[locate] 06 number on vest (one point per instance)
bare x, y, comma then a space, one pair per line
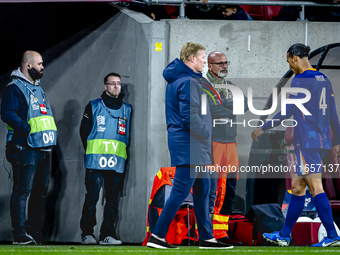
103, 162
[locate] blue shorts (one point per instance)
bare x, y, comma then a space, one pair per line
309, 161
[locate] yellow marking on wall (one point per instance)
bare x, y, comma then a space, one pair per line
158, 47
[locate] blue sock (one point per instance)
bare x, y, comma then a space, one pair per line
294, 211
325, 213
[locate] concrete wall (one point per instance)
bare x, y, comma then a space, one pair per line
127, 44
111, 48
123, 45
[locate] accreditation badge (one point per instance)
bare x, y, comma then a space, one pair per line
121, 126
43, 109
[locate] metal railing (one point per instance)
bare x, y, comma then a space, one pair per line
302, 4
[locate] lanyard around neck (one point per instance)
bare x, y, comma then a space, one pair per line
109, 112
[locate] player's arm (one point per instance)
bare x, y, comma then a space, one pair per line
278, 118
275, 121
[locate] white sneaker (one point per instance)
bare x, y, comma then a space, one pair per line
89, 239
24, 240
109, 240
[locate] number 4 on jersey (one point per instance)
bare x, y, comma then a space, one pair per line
322, 102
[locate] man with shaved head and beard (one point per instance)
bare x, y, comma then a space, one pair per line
31, 135
223, 185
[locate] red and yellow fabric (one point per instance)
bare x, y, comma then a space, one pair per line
162, 178
178, 229
220, 225
224, 154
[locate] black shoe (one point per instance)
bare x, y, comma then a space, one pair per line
159, 244
24, 240
39, 239
211, 245
227, 240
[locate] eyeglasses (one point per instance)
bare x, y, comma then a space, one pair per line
227, 63
113, 83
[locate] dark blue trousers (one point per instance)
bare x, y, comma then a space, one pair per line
184, 181
31, 170
112, 183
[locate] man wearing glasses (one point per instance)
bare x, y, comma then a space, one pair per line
104, 132
224, 148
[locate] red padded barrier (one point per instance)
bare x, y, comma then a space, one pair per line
256, 12
271, 12
259, 12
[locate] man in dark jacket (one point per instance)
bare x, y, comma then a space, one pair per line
31, 135
223, 184
189, 140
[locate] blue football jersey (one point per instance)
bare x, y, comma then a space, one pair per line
313, 131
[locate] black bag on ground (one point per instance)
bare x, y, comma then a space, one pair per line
267, 218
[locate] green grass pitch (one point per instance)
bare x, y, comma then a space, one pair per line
129, 250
